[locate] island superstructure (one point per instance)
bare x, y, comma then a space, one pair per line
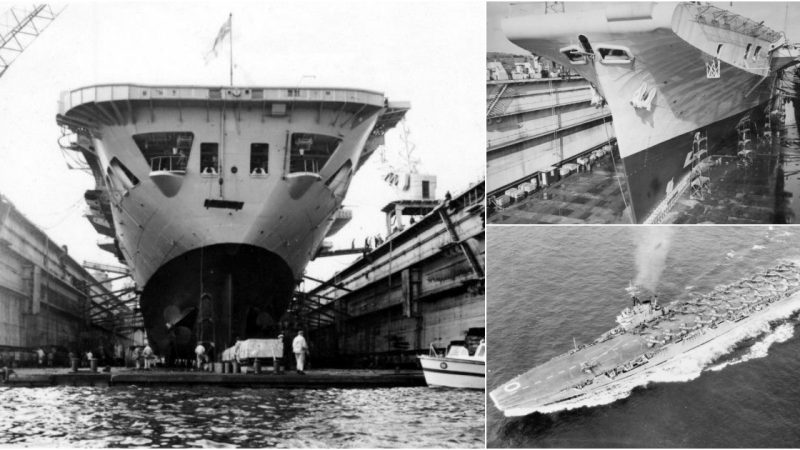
218, 197
648, 337
675, 76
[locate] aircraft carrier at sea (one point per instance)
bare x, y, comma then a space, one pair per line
651, 336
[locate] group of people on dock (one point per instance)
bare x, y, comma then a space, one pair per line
299, 348
143, 357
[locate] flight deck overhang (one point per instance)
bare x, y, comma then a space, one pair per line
108, 104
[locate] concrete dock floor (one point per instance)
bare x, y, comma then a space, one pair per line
320, 378
594, 196
737, 194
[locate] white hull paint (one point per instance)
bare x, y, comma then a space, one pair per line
178, 218
455, 373
670, 49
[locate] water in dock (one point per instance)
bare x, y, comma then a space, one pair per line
209, 416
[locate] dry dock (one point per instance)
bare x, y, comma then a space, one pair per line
50, 301
538, 117
423, 286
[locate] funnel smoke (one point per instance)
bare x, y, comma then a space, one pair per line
652, 247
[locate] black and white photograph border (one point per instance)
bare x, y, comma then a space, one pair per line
242, 224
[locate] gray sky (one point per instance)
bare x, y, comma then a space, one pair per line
772, 13
425, 52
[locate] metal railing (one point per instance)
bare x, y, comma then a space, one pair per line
172, 163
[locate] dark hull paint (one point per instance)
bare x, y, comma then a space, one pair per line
215, 294
649, 171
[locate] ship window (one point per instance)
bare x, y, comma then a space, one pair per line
573, 53
719, 49
209, 158
339, 182
310, 152
747, 51
165, 150
615, 55
123, 174
259, 159
426, 189
756, 53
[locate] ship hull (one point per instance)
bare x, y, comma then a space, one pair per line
454, 373
654, 173
612, 366
668, 50
217, 198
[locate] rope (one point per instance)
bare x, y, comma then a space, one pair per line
608, 140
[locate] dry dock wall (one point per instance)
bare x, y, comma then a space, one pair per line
422, 286
536, 123
47, 299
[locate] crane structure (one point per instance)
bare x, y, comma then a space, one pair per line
19, 27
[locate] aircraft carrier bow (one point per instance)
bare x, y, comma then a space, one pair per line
218, 197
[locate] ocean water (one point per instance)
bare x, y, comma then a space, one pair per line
549, 284
221, 417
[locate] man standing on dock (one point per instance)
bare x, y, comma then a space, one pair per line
200, 351
277, 354
147, 353
300, 348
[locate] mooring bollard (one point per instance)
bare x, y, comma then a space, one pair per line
236, 368
93, 364
73, 364
257, 366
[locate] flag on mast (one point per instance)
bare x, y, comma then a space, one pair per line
224, 31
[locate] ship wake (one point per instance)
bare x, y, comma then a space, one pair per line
693, 363
760, 349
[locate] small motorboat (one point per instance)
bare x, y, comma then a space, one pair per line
457, 368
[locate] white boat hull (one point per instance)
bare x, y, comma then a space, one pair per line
454, 373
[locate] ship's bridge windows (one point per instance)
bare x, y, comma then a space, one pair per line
614, 54
209, 158
747, 51
165, 151
309, 152
259, 159
574, 54
719, 49
426, 189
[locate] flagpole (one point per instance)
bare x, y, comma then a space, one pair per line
230, 20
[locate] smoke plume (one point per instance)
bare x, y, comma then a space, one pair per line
652, 247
